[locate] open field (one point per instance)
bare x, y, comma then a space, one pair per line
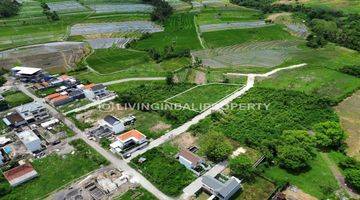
348, 6
320, 81
66, 6
203, 96
179, 32
257, 54
258, 189
105, 43
116, 17
163, 170
16, 98
349, 113
136, 194
52, 175
147, 70
237, 36
226, 14
311, 181
111, 60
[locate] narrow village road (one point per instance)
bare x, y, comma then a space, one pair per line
117, 162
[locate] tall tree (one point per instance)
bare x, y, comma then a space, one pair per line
9, 8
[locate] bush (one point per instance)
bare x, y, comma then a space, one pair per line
162, 10
9, 8
241, 167
351, 70
352, 177
314, 41
215, 146
329, 135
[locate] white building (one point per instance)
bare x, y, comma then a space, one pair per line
128, 139
20, 174
27, 74
114, 123
190, 160
33, 111
95, 92
30, 140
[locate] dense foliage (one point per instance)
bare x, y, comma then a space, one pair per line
9, 8
242, 167
295, 150
51, 15
162, 10
215, 146
351, 70
329, 135
331, 25
351, 169
164, 171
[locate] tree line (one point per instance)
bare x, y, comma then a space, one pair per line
162, 10
9, 8
326, 24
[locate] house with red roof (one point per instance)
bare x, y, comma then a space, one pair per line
20, 174
127, 140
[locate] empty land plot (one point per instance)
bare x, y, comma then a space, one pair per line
105, 43
349, 112
123, 8
237, 36
125, 27
226, 14
180, 32
258, 54
202, 97
114, 59
320, 81
348, 6
66, 6
233, 25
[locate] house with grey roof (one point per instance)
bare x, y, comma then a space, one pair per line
222, 190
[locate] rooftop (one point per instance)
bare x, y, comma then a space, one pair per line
133, 134
194, 159
27, 136
224, 189
51, 96
60, 98
19, 172
14, 118
111, 119
30, 107
26, 70
98, 87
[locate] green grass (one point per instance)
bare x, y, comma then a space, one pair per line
311, 181
16, 98
56, 171
45, 92
258, 189
203, 96
320, 81
226, 14
164, 171
347, 6
115, 59
230, 37
127, 86
179, 31
138, 193
75, 104
146, 70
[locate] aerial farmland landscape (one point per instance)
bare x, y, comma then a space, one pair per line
179, 99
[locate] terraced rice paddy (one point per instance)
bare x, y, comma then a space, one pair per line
105, 43
66, 6
124, 27
210, 15
258, 54
232, 25
123, 8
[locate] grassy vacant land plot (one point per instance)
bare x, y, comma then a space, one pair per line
231, 37
151, 69
311, 182
52, 173
226, 14
348, 6
75, 104
349, 113
115, 59
163, 170
256, 54
319, 81
137, 194
16, 98
258, 189
179, 31
202, 97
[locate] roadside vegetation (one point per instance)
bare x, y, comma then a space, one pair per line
14, 99
52, 173
164, 170
138, 193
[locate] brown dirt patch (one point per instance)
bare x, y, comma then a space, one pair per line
185, 140
161, 126
200, 77
293, 193
349, 113
275, 16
